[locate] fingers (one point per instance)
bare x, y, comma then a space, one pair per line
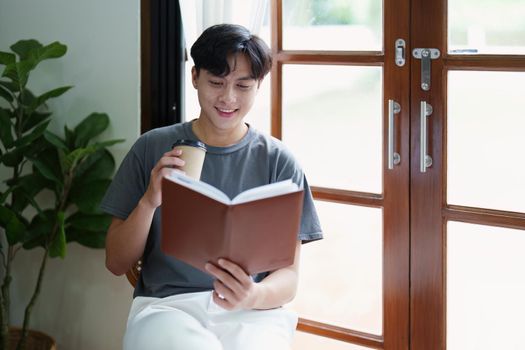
169, 160
222, 275
236, 271
230, 273
233, 288
222, 302
168, 163
224, 287
226, 293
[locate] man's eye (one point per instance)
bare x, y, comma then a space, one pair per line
244, 87
215, 83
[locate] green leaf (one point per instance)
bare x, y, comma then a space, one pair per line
58, 245
9, 86
99, 165
31, 53
39, 230
79, 154
27, 98
23, 48
53, 50
89, 222
6, 129
14, 228
18, 72
38, 146
62, 160
87, 197
33, 242
89, 239
7, 58
48, 165
34, 119
6, 194
33, 184
6, 94
70, 137
47, 95
21, 200
26, 189
36, 133
73, 157
93, 125
14, 157
100, 145
55, 140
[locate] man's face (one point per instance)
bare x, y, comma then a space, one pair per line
225, 101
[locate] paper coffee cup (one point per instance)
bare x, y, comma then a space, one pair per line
193, 153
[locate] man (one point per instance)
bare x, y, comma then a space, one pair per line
176, 306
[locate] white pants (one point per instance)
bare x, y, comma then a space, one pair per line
194, 322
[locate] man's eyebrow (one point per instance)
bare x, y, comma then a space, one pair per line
246, 78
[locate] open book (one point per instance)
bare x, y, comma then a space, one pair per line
257, 229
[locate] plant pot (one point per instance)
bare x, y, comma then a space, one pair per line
35, 340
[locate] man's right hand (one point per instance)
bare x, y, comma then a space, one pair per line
169, 162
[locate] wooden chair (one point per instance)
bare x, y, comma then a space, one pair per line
133, 274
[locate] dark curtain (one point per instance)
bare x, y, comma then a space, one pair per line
163, 58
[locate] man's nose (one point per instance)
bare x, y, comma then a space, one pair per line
228, 94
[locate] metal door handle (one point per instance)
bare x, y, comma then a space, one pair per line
425, 159
393, 157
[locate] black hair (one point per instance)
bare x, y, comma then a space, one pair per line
217, 43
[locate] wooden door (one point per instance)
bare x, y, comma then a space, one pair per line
468, 206
331, 87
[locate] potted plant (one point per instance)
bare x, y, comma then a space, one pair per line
74, 168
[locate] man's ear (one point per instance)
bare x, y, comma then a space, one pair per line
194, 76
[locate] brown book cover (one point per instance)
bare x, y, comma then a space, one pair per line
200, 224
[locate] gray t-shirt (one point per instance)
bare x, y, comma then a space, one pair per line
256, 160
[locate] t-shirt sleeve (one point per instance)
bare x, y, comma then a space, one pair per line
128, 185
310, 225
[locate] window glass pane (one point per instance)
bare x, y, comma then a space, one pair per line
332, 122
254, 15
341, 276
486, 26
333, 25
307, 341
259, 116
485, 127
485, 287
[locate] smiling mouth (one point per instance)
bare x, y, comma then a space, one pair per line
225, 112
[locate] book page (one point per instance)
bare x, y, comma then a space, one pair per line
266, 191
199, 186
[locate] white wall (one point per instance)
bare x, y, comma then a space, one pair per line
81, 305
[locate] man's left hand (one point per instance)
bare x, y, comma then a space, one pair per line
234, 289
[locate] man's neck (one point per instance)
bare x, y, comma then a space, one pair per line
211, 136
